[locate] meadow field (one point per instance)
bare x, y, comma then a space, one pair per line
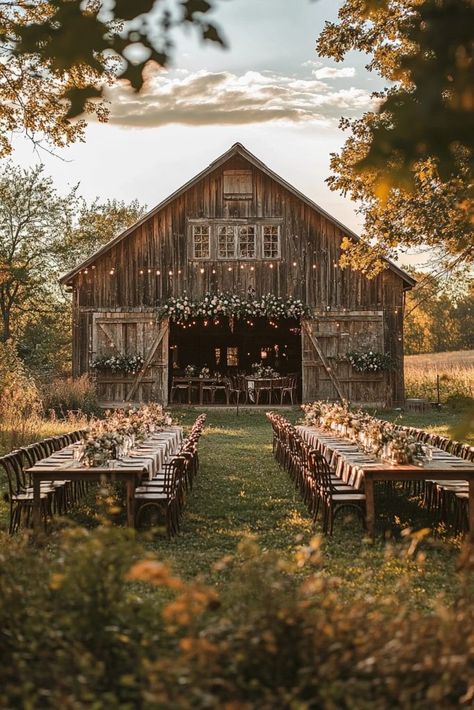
456, 372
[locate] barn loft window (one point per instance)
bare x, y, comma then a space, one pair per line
247, 242
238, 185
226, 242
271, 241
201, 242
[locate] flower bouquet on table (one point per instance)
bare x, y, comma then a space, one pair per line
190, 370
205, 372
102, 446
261, 371
402, 448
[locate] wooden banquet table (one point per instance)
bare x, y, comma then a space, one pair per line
361, 470
198, 383
145, 459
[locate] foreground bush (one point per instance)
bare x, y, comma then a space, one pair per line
70, 395
101, 624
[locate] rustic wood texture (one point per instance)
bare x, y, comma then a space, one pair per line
153, 263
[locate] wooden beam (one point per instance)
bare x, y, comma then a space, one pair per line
154, 347
317, 347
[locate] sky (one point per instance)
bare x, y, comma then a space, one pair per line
269, 90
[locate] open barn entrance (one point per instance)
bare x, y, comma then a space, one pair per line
231, 347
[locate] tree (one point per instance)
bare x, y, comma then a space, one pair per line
438, 319
95, 225
425, 47
43, 235
33, 218
56, 57
408, 200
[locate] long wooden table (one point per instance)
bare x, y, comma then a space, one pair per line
362, 470
146, 459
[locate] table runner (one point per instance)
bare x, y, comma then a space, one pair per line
351, 463
151, 454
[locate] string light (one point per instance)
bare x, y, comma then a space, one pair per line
314, 266
170, 273
141, 272
149, 271
294, 263
111, 272
201, 270
252, 268
86, 272
213, 271
158, 272
229, 268
93, 267
271, 266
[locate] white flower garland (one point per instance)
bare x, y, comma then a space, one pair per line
369, 361
128, 364
230, 305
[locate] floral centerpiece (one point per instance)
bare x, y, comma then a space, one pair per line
231, 305
205, 372
259, 370
100, 446
190, 370
369, 361
127, 364
402, 449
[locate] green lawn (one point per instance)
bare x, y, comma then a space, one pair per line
241, 491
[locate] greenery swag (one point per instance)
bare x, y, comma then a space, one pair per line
369, 361
231, 305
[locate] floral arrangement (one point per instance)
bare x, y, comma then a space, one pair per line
112, 437
205, 372
231, 305
128, 364
260, 370
368, 433
369, 361
102, 445
190, 370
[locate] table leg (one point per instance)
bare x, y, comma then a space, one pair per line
471, 509
370, 506
131, 503
36, 504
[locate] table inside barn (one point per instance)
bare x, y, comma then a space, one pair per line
362, 470
145, 459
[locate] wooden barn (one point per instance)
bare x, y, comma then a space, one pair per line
237, 229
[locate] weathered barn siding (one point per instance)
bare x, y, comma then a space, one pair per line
153, 263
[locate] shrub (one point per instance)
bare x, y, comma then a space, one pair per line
70, 395
107, 625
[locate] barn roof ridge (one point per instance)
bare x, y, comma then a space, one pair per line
236, 148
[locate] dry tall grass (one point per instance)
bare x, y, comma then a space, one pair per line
455, 369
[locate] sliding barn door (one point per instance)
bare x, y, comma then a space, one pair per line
131, 334
327, 374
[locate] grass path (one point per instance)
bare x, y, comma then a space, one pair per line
241, 490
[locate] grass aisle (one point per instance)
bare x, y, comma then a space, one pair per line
241, 491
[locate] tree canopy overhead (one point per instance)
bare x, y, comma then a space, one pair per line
409, 163
426, 48
57, 56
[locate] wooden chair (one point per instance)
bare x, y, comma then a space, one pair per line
289, 389
333, 497
222, 387
21, 498
180, 386
263, 387
277, 388
235, 389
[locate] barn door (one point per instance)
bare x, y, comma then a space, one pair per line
320, 379
131, 334
334, 335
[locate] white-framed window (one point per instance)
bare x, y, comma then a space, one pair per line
226, 242
247, 238
201, 241
271, 241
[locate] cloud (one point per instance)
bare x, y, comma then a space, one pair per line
333, 73
210, 98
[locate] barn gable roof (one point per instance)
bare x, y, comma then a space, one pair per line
236, 149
